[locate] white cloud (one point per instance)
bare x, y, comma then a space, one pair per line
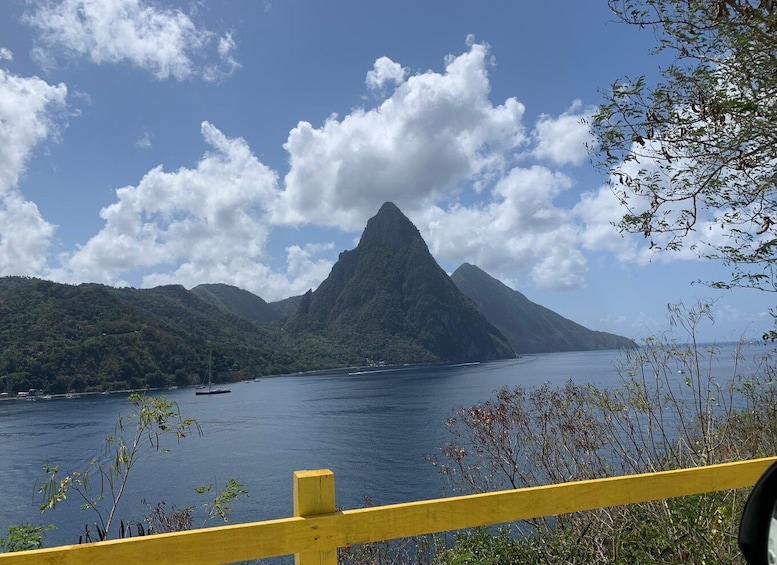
196, 221
601, 211
303, 271
6, 54
29, 109
385, 71
435, 145
435, 132
562, 140
197, 225
520, 231
145, 140
24, 236
439, 149
167, 43
29, 114
227, 63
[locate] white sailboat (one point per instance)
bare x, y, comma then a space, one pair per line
210, 389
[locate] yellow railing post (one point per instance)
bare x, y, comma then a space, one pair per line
314, 494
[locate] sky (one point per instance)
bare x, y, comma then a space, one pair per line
248, 142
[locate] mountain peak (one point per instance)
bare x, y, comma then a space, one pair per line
529, 327
389, 208
390, 300
390, 227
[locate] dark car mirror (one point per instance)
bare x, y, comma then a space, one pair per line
758, 527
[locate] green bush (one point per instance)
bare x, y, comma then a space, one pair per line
23, 537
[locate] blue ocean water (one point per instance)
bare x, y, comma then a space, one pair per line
372, 428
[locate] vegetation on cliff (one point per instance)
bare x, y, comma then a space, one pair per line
62, 338
529, 327
391, 297
386, 300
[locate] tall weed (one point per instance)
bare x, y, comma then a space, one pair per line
673, 409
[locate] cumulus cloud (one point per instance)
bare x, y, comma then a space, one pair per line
600, 211
435, 131
457, 164
462, 167
520, 231
197, 225
562, 140
30, 112
195, 220
167, 43
6, 54
24, 236
383, 72
304, 270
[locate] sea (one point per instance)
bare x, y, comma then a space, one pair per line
373, 427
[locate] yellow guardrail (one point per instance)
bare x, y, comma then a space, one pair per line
317, 530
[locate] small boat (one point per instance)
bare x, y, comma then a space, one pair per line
210, 389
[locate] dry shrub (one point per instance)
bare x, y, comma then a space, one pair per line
672, 410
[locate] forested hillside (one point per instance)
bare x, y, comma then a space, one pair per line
387, 300
529, 327
232, 299
63, 338
391, 299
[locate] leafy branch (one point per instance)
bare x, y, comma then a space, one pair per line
102, 484
695, 152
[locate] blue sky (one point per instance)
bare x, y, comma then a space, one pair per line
248, 142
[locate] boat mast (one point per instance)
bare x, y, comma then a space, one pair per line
210, 359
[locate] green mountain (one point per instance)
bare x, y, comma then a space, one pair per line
287, 306
91, 337
388, 299
529, 327
237, 301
